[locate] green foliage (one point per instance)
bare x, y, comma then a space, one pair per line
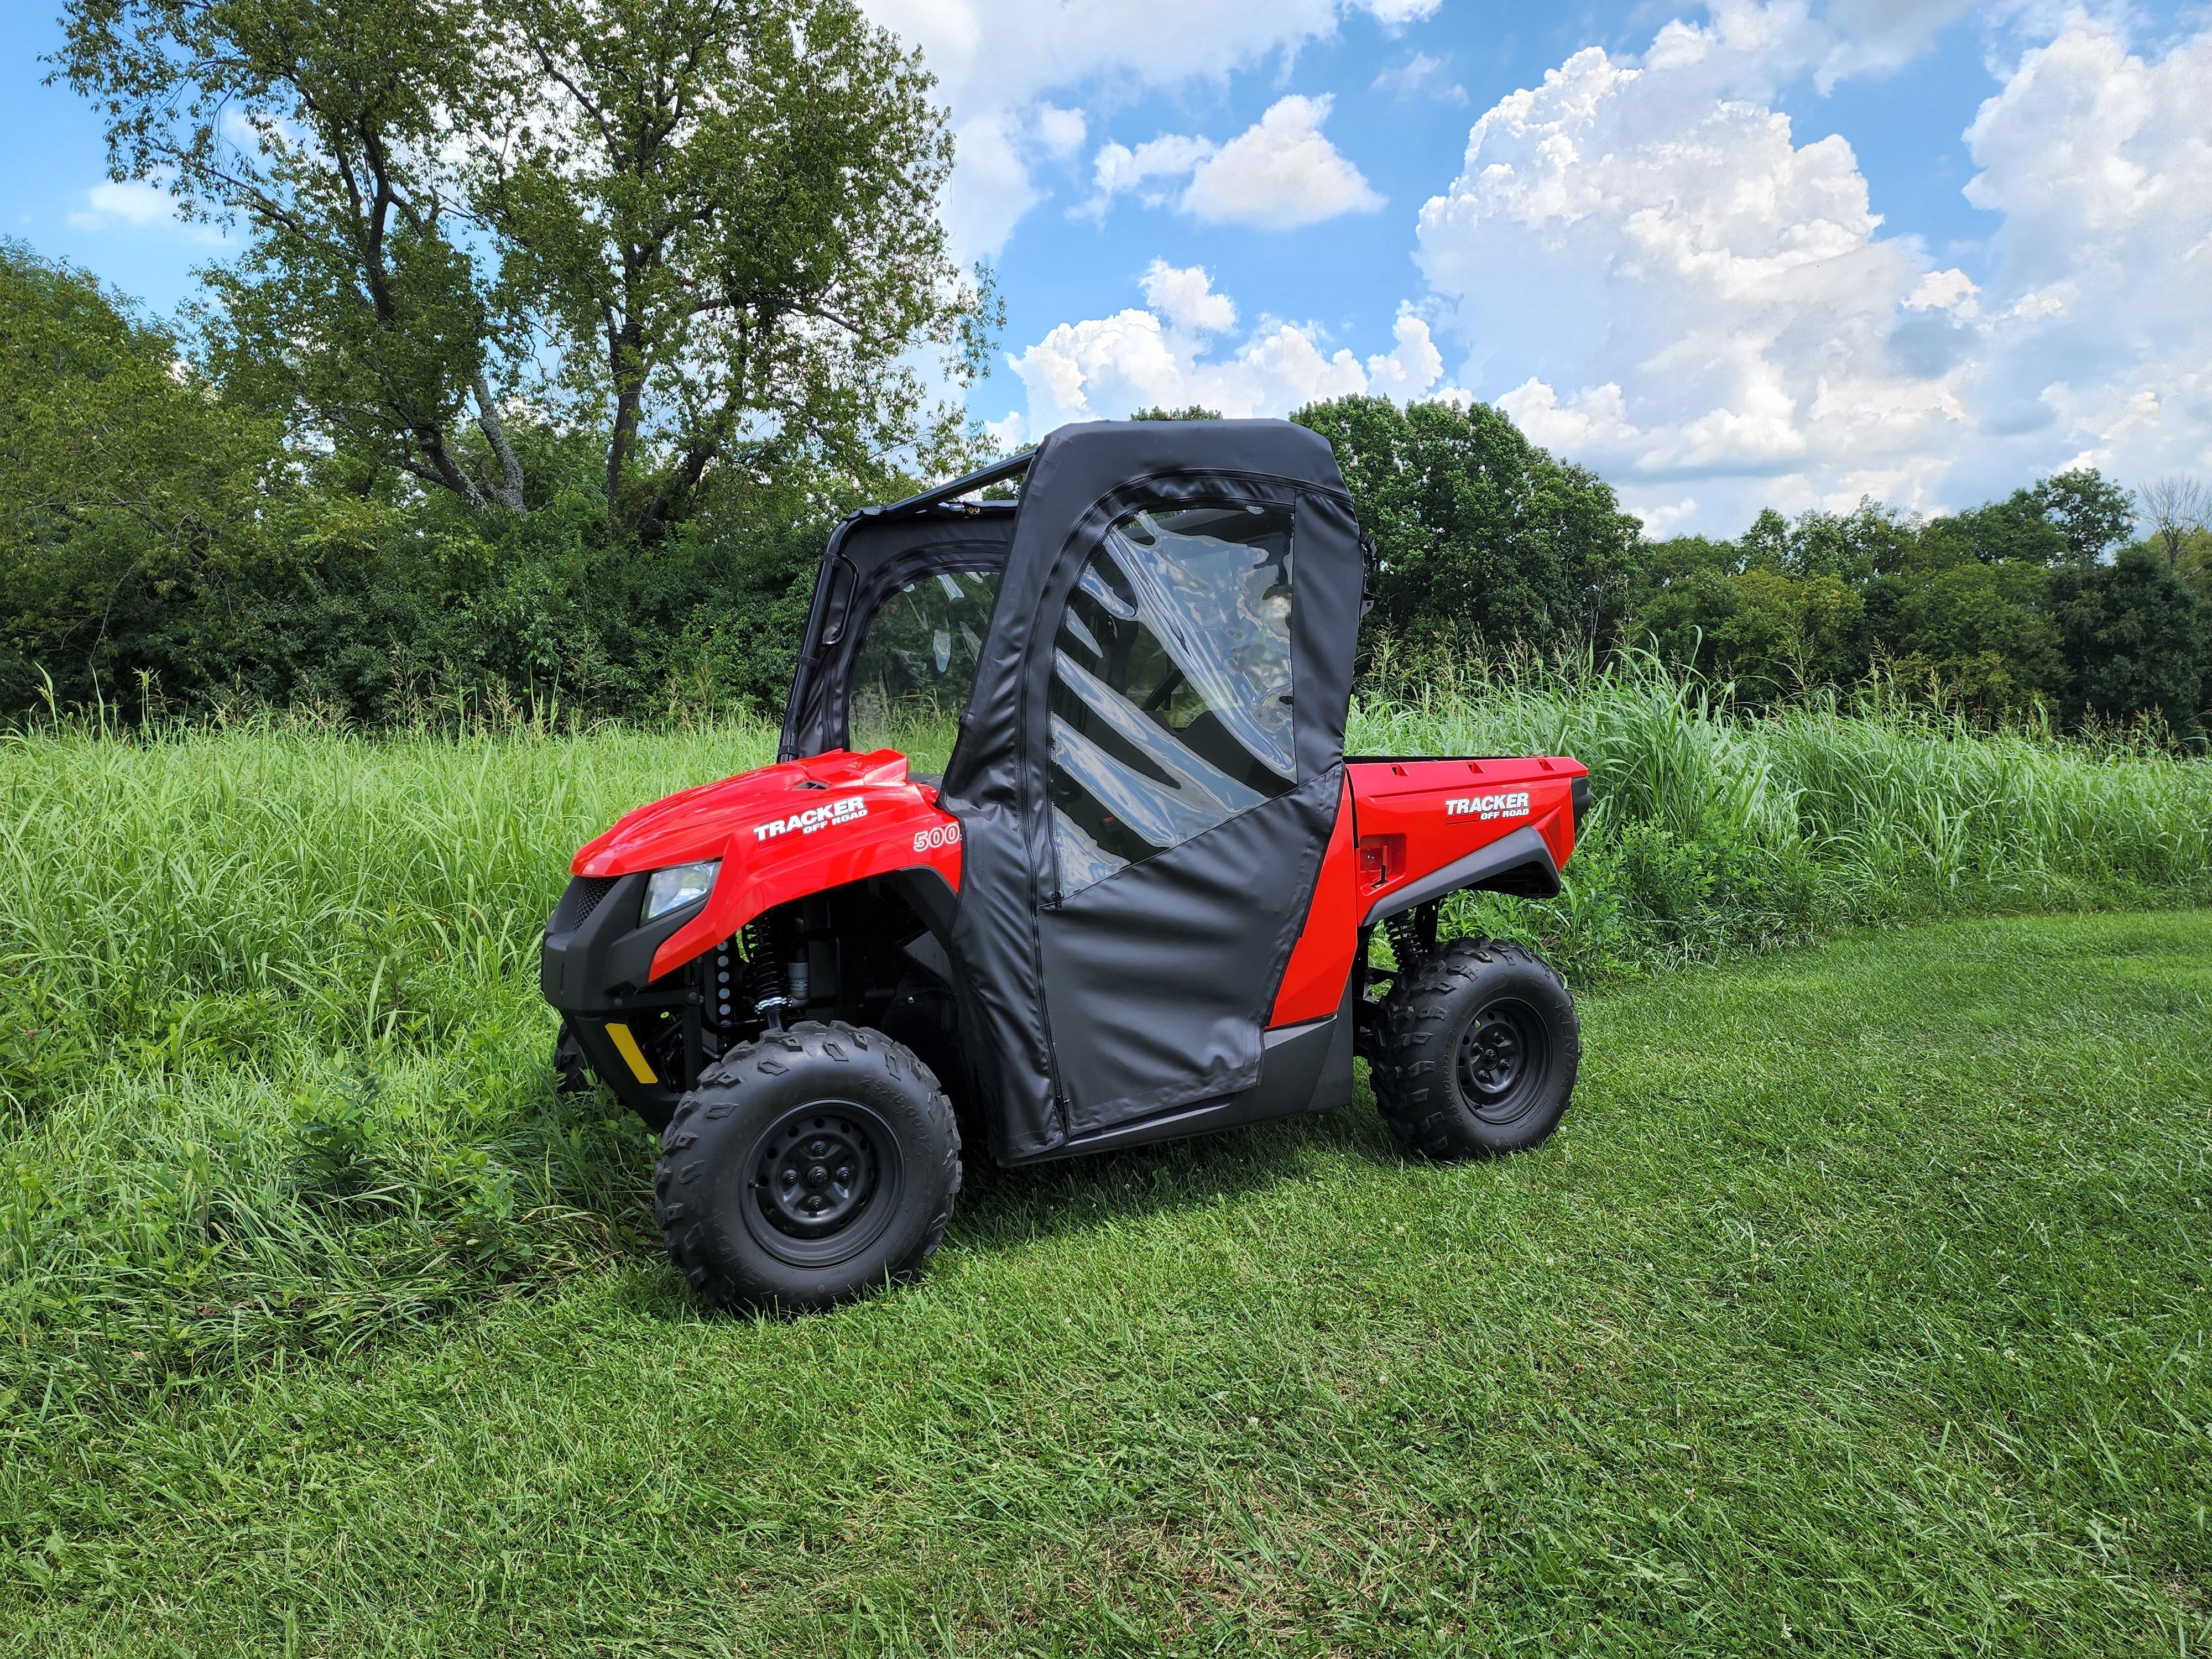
2007, 611
2135, 640
707, 231
2093, 514
726, 216
1482, 539
1982, 632
355, 311
130, 492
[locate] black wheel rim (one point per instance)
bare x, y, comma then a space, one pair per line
1504, 1060
822, 1182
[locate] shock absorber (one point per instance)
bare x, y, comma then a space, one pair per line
1405, 941
764, 980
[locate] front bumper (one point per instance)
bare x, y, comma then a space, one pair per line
642, 1036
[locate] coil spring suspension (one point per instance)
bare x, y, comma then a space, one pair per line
764, 981
1405, 941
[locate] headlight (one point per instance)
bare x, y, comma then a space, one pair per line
674, 889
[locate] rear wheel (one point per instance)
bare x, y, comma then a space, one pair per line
807, 1169
1476, 1051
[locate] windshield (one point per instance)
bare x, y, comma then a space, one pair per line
915, 666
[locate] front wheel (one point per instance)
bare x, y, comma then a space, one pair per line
1476, 1051
807, 1169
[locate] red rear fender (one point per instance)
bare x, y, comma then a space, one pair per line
1416, 817
783, 832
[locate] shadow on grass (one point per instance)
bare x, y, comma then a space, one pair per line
1002, 1209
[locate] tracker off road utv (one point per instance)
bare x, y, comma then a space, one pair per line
1137, 905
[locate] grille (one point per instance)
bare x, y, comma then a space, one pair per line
585, 894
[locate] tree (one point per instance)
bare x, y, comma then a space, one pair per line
725, 211
1482, 538
2177, 509
357, 307
1981, 632
2135, 640
2092, 514
709, 225
127, 489
2014, 530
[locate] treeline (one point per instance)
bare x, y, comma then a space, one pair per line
169, 543
2040, 603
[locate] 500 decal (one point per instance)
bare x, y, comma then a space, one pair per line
814, 817
1512, 806
944, 835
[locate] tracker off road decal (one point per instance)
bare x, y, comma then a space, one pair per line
814, 817
1512, 806
944, 835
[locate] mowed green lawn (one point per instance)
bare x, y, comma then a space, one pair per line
1860, 1306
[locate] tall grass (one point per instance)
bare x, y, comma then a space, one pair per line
1716, 831
273, 1066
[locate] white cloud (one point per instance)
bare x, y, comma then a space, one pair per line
1280, 173
1186, 298
1945, 290
1061, 132
1104, 367
1653, 277
990, 188
138, 202
1421, 76
997, 61
1396, 14
1117, 170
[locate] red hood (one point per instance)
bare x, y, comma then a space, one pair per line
699, 823
782, 832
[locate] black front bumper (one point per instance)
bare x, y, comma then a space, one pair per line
641, 1035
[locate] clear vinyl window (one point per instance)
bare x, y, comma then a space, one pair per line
1171, 686
916, 665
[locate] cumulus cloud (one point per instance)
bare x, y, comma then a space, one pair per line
1652, 275
1279, 174
997, 61
1186, 298
1117, 170
1061, 132
1161, 355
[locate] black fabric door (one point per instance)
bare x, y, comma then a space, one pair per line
1184, 845
1149, 769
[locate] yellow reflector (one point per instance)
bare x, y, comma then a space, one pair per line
627, 1046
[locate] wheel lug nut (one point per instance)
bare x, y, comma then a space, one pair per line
818, 1149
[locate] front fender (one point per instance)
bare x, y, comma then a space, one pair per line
782, 832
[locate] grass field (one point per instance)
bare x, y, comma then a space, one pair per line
1863, 1292
1859, 1307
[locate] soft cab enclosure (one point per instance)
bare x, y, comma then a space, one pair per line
1144, 885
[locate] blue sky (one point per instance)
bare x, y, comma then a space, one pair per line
1729, 255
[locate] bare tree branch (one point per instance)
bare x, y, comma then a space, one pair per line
2176, 508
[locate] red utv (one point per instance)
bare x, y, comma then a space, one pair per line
1137, 905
